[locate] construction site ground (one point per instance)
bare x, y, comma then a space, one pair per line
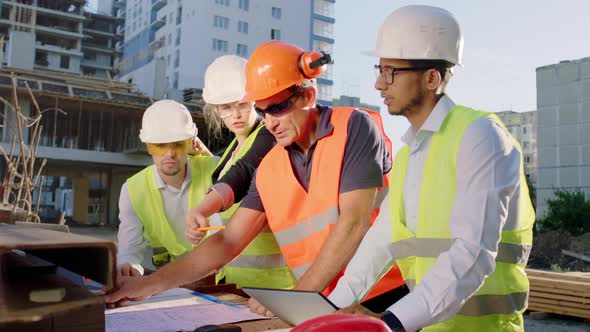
533, 322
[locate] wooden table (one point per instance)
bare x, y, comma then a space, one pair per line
230, 293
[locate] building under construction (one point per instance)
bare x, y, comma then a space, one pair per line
89, 136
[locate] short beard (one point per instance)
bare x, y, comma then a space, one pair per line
170, 173
415, 103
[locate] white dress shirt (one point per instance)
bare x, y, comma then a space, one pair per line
488, 182
132, 246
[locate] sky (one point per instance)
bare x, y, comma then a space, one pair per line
505, 41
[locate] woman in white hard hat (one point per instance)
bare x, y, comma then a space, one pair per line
261, 264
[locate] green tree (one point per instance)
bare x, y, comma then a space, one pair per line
569, 210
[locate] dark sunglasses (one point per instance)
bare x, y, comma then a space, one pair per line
277, 109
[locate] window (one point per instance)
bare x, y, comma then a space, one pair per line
221, 22
175, 83
276, 12
177, 39
527, 159
242, 50
64, 62
170, 39
219, 45
177, 59
170, 18
245, 5
243, 27
525, 145
275, 34
179, 16
168, 61
524, 130
222, 2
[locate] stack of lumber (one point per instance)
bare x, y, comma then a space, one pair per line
566, 293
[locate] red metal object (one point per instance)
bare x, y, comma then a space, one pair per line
342, 322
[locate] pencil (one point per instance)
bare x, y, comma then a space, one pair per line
202, 229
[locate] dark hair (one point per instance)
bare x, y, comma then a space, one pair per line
442, 66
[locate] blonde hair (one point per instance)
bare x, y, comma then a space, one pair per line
214, 122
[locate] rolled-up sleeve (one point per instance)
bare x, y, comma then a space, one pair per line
488, 178
131, 246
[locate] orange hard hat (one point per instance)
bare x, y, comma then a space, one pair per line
342, 322
275, 66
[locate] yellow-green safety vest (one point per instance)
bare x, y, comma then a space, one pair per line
261, 263
149, 208
498, 305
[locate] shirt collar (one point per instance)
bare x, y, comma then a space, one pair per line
432, 123
187, 178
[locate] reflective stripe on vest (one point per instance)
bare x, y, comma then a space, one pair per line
504, 293
507, 252
302, 220
148, 206
261, 263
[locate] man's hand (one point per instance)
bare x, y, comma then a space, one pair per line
195, 219
127, 270
131, 289
199, 148
359, 310
257, 308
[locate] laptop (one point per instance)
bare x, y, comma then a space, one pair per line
292, 306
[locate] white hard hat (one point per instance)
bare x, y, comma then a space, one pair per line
420, 33
225, 80
166, 121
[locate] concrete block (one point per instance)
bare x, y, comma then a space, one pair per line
568, 72
568, 177
585, 154
547, 96
546, 137
569, 156
585, 135
547, 77
546, 178
568, 114
585, 89
569, 135
585, 68
547, 116
586, 111
547, 157
569, 93
586, 179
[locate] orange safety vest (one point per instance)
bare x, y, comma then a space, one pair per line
302, 220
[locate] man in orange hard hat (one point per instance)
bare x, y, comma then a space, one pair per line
320, 188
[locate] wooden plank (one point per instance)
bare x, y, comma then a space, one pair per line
561, 297
551, 283
541, 289
558, 310
565, 304
558, 275
576, 255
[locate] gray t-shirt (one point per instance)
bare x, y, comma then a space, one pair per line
366, 157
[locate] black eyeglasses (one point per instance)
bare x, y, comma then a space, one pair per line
387, 72
277, 109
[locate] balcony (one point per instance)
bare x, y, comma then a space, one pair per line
158, 23
95, 65
119, 4
158, 4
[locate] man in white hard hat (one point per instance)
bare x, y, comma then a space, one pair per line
460, 220
153, 203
